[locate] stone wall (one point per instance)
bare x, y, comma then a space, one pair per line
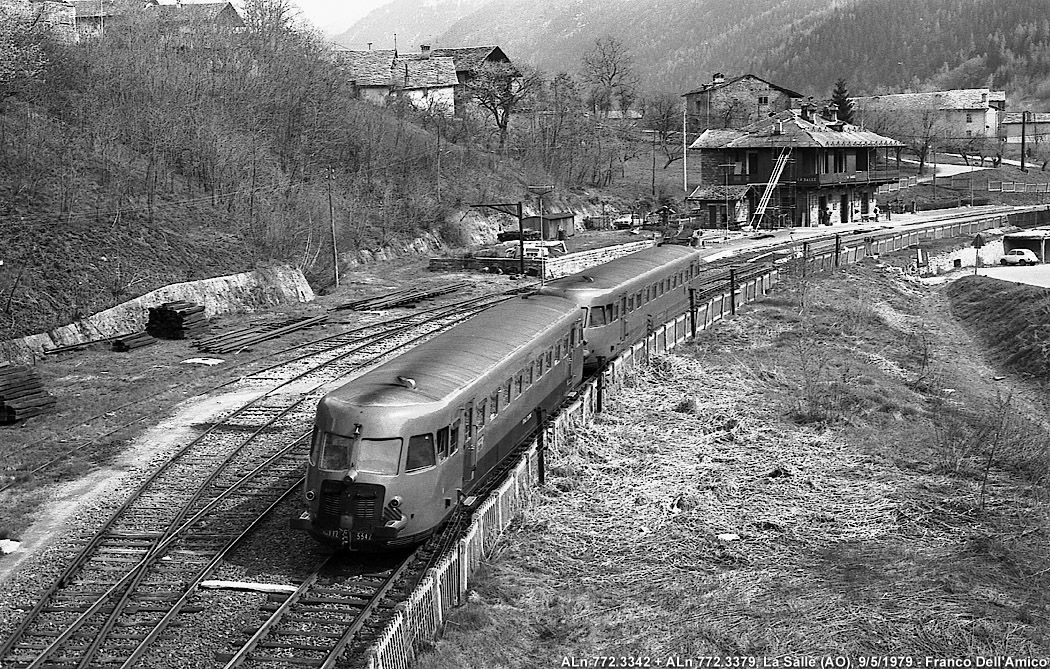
246, 292
552, 268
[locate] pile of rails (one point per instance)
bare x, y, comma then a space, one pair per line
400, 298
22, 394
176, 320
243, 338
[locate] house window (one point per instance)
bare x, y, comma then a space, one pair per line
969, 133
969, 118
752, 162
763, 99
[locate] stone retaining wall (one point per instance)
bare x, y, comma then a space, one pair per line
236, 293
552, 268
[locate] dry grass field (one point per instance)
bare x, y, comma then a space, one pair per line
846, 476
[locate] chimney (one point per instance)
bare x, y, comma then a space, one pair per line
424, 51
831, 112
718, 78
807, 112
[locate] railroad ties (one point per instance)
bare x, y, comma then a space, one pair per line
176, 320
22, 394
130, 342
400, 298
330, 615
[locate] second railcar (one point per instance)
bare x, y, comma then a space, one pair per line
395, 449
623, 298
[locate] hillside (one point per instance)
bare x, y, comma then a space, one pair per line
414, 22
876, 45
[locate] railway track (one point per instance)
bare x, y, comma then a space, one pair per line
127, 582
326, 615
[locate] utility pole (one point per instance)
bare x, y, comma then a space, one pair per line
685, 153
331, 219
654, 164
1024, 119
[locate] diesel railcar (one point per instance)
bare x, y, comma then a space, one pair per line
396, 449
623, 298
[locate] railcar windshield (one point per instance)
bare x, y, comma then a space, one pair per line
597, 317
375, 456
420, 452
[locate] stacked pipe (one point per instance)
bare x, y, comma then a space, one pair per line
176, 320
130, 342
22, 394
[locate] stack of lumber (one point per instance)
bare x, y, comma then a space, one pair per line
130, 342
242, 338
176, 320
21, 394
400, 298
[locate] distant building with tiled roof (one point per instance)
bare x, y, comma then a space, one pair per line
809, 169
956, 114
468, 61
1035, 127
58, 17
735, 102
428, 81
93, 16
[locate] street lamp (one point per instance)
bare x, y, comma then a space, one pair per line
726, 172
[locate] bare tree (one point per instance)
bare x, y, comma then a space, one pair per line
609, 68
499, 89
917, 129
663, 116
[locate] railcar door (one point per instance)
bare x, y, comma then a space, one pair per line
624, 330
470, 429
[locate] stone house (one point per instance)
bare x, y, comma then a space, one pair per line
468, 61
94, 16
954, 116
736, 102
1035, 127
382, 75
58, 17
795, 168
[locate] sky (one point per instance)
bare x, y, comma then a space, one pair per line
336, 15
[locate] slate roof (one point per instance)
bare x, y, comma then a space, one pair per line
197, 12
963, 98
795, 131
719, 192
469, 59
714, 86
386, 67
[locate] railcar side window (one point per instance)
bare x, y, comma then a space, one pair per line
509, 386
638, 299
519, 384
609, 316
550, 358
494, 405
442, 443
378, 456
565, 346
316, 444
539, 367
420, 452
335, 454
480, 419
529, 371
557, 351
454, 439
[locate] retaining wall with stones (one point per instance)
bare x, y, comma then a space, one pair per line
552, 268
236, 293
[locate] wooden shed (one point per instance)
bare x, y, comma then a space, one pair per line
556, 225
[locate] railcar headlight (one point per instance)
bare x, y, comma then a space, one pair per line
310, 494
395, 502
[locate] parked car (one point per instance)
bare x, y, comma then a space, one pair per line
1019, 257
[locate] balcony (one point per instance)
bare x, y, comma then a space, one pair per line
840, 178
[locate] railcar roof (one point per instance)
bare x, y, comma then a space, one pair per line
447, 364
640, 266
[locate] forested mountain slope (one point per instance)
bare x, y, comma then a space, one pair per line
806, 45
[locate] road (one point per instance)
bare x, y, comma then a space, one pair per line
1038, 275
